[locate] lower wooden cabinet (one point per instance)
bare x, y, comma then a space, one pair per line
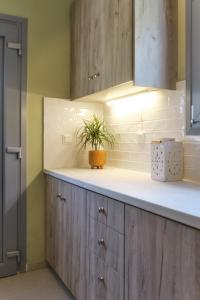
162, 258
65, 234
105, 250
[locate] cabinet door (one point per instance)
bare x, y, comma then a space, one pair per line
51, 192
62, 231
58, 199
156, 50
111, 43
102, 45
80, 34
162, 258
58, 210
78, 243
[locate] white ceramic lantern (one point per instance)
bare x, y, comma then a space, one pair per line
167, 160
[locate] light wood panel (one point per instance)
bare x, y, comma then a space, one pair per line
49, 221
106, 210
58, 201
78, 243
156, 46
106, 244
111, 43
80, 33
162, 258
105, 248
66, 234
102, 45
103, 283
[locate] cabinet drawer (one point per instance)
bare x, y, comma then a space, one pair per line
103, 283
106, 244
105, 210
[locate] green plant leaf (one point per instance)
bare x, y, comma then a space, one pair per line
94, 133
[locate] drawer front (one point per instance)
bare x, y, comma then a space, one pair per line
106, 244
105, 210
103, 283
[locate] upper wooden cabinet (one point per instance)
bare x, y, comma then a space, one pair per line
119, 41
156, 47
102, 39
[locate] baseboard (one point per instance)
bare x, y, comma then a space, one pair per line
36, 266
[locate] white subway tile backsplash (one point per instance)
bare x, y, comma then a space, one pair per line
135, 121
64, 117
135, 126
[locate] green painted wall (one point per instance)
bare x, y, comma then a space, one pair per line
48, 75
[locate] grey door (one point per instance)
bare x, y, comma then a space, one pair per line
11, 146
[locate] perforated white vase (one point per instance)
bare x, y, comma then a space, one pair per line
167, 161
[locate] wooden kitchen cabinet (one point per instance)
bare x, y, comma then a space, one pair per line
119, 41
65, 233
162, 258
105, 248
102, 45
156, 47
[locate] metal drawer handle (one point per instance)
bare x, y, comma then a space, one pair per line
63, 199
101, 242
101, 278
96, 75
102, 210
90, 78
59, 196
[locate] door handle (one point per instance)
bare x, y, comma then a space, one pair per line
15, 150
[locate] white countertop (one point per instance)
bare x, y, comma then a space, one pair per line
179, 201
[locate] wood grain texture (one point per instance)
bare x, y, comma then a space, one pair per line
162, 258
80, 33
51, 189
57, 225
112, 249
66, 234
112, 286
113, 215
102, 43
48, 220
78, 243
156, 43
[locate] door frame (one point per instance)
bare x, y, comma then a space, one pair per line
23, 23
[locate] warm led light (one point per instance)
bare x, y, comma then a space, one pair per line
134, 103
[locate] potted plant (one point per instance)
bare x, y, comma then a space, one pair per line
94, 133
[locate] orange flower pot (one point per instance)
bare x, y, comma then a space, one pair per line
97, 159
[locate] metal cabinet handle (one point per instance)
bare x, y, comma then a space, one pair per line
102, 210
15, 150
101, 242
90, 77
59, 196
101, 278
97, 75
63, 199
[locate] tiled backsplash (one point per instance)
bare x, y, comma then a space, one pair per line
61, 120
135, 121
138, 120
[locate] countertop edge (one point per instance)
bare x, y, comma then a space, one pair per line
162, 211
